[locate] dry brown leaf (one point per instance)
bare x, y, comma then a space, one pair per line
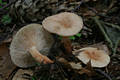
76, 66
88, 70
6, 65
89, 13
72, 65
19, 74
7, 40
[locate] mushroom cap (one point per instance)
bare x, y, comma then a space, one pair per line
63, 24
98, 58
27, 37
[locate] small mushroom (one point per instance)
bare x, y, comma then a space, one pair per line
27, 43
64, 24
98, 58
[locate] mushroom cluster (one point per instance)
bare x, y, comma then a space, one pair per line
31, 39
30, 42
98, 58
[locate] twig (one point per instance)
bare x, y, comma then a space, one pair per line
103, 73
110, 24
76, 8
13, 28
94, 11
7, 5
60, 68
111, 5
115, 47
90, 8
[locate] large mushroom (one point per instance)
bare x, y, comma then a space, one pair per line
64, 24
98, 58
27, 43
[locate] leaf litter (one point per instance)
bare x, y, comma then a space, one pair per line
108, 23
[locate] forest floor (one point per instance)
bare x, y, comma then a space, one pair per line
101, 29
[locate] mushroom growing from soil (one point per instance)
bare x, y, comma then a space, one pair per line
98, 58
64, 24
27, 43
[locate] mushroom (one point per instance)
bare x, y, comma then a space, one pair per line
98, 58
64, 24
27, 43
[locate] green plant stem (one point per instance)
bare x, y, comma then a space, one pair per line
0, 1
103, 31
110, 24
114, 50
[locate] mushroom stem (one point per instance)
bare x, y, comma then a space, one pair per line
67, 44
38, 56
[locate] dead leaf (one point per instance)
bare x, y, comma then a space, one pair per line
77, 66
85, 71
7, 40
62, 60
88, 70
19, 74
72, 65
89, 13
6, 65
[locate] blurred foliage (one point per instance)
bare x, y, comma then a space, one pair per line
74, 37
3, 3
33, 78
111, 33
78, 35
0, 3
6, 19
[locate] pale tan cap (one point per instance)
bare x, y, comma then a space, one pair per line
98, 58
64, 24
32, 35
